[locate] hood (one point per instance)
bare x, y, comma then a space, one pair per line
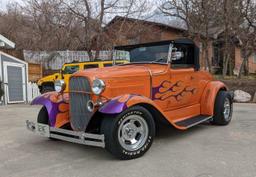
124, 79
50, 78
122, 71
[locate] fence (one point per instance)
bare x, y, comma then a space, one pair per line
55, 59
33, 91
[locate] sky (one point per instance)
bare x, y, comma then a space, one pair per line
3, 3
156, 18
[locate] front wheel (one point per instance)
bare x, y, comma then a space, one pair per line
129, 134
223, 108
43, 117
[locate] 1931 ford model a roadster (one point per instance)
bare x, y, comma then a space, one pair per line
119, 107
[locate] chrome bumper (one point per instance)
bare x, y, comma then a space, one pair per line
66, 135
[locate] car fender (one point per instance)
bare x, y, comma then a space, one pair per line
121, 103
208, 98
57, 106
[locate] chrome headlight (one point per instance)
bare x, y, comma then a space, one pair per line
98, 86
59, 85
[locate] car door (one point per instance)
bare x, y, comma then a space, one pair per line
183, 84
184, 88
185, 77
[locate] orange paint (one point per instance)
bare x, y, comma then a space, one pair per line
63, 116
178, 94
208, 97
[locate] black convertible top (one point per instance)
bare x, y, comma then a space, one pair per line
182, 41
166, 42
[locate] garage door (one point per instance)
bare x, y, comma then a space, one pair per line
14, 75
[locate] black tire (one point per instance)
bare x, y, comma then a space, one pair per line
110, 127
46, 88
219, 117
43, 117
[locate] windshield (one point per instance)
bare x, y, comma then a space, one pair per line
155, 53
150, 54
70, 69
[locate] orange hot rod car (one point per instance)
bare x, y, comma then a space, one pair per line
119, 107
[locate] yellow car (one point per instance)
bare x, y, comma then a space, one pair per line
46, 84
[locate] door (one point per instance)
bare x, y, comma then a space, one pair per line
185, 88
15, 82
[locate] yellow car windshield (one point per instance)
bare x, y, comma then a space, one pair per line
70, 69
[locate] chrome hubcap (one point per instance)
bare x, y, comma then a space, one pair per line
133, 132
227, 109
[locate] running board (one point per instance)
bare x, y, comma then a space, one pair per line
190, 122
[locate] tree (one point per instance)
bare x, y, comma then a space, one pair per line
246, 33
51, 27
62, 24
198, 17
93, 17
39, 25
228, 17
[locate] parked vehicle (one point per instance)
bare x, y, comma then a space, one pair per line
119, 107
46, 84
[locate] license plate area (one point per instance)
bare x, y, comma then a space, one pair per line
67, 135
43, 130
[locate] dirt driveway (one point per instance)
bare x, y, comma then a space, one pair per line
202, 151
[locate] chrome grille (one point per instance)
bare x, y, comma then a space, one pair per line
79, 114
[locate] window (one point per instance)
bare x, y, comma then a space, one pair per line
89, 66
157, 53
70, 69
187, 60
108, 64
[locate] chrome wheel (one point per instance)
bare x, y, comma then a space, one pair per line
227, 109
133, 132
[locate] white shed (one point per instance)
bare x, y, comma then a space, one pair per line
13, 74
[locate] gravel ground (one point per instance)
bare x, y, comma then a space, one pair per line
202, 151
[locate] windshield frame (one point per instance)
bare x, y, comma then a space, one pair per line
127, 48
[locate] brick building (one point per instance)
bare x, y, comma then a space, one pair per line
140, 31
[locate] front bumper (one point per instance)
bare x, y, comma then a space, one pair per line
66, 135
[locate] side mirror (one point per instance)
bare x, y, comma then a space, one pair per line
177, 55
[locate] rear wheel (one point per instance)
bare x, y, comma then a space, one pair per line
130, 134
223, 108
